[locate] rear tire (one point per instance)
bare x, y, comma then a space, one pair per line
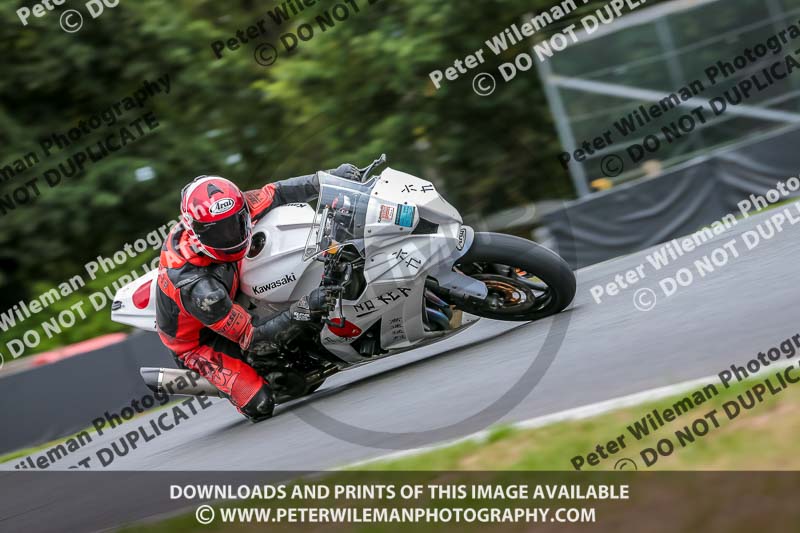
507, 265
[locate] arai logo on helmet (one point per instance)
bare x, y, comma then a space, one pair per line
222, 206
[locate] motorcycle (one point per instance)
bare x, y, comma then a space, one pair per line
402, 270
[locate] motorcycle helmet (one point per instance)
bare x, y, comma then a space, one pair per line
216, 216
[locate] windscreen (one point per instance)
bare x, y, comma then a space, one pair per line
341, 215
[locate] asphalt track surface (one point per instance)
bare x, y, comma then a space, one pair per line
609, 350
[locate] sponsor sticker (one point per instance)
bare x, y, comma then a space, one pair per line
387, 213
462, 239
301, 317
405, 215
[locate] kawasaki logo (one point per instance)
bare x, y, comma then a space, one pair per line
287, 279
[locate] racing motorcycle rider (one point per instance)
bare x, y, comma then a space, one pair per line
198, 278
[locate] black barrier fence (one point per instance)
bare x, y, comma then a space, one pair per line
655, 502
635, 216
62, 398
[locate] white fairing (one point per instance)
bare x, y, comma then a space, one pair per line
139, 311
277, 275
411, 233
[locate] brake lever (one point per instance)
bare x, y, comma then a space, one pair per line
338, 306
338, 289
368, 170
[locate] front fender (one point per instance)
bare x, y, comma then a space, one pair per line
455, 281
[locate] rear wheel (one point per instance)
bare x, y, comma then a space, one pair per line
526, 281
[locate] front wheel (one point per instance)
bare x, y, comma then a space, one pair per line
526, 281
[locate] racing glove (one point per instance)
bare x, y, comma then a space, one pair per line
346, 171
313, 307
282, 329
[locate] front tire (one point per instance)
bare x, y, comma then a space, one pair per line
526, 281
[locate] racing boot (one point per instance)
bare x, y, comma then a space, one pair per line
260, 407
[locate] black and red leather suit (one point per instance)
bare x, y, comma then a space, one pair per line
197, 318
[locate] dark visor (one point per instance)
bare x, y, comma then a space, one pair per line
226, 234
